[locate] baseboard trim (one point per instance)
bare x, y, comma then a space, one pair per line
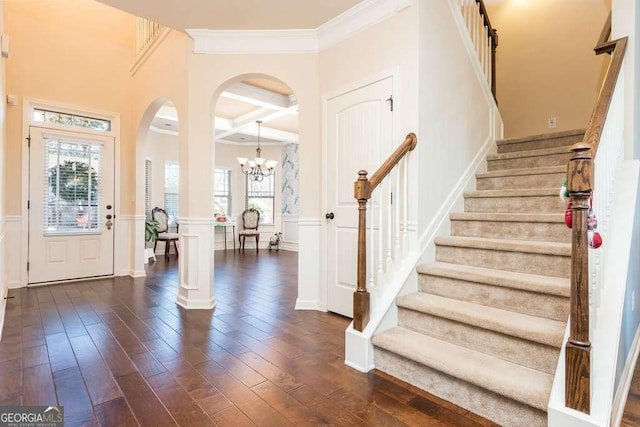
622, 393
308, 305
4, 312
194, 304
136, 273
15, 285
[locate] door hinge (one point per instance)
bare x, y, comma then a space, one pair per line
390, 100
28, 204
29, 141
27, 265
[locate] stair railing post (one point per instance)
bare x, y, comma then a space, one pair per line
361, 297
578, 347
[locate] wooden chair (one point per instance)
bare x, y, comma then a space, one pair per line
250, 222
161, 216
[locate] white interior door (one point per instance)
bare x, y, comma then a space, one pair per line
359, 129
71, 205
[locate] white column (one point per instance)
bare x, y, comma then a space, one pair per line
195, 288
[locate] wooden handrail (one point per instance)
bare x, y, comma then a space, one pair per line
407, 145
362, 190
580, 186
493, 35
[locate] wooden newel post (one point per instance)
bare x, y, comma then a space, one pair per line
578, 348
361, 297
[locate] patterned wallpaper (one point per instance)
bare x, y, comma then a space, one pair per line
290, 179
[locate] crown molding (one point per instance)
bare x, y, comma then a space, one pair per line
349, 23
254, 41
357, 19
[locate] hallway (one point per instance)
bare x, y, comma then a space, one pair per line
120, 352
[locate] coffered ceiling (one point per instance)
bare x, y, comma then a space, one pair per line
237, 110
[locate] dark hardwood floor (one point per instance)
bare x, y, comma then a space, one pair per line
120, 352
631, 415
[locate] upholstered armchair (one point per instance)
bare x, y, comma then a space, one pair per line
160, 215
250, 222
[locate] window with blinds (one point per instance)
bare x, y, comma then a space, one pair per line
261, 197
72, 195
171, 185
222, 192
147, 188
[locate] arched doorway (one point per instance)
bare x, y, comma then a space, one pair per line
251, 112
157, 171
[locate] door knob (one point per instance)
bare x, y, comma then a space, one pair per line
108, 216
330, 215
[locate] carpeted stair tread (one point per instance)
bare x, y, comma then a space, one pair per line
522, 172
507, 217
532, 328
537, 247
529, 153
529, 192
506, 279
513, 381
540, 137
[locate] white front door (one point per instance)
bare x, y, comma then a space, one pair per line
359, 129
71, 205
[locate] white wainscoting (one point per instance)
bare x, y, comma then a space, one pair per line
312, 293
289, 239
3, 275
13, 252
123, 260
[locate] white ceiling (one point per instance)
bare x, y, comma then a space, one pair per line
241, 105
236, 14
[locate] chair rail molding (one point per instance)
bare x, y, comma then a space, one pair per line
344, 26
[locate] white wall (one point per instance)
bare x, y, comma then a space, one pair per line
456, 121
4, 281
160, 147
626, 23
545, 62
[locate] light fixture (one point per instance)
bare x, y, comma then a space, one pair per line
255, 171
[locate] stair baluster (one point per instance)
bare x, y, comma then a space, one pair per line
363, 189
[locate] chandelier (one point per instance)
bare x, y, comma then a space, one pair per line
255, 171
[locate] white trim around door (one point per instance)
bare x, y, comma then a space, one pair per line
31, 104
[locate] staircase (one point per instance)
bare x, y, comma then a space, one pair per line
485, 328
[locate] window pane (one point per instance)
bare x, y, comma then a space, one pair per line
73, 191
54, 117
221, 205
171, 176
264, 205
171, 202
171, 184
222, 192
264, 188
